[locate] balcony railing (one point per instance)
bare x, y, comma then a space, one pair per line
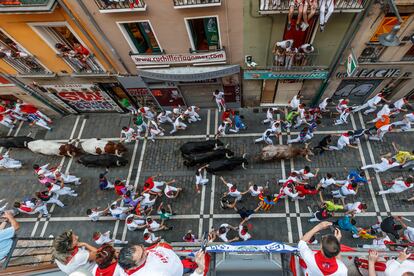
296, 62
282, 6
108, 6
88, 65
11, 6
26, 65
182, 4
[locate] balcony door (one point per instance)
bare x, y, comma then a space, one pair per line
204, 33
142, 37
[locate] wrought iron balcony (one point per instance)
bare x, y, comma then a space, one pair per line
183, 4
296, 62
282, 6
110, 6
18, 6
26, 65
88, 65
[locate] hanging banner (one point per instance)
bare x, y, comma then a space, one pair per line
253, 246
84, 97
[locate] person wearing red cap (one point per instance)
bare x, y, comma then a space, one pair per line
325, 261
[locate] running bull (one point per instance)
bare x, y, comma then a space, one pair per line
227, 164
15, 142
54, 148
199, 147
279, 152
97, 146
206, 157
103, 160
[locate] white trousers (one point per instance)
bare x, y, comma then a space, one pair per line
67, 178
43, 116
395, 189
66, 191
220, 104
176, 127
264, 138
379, 167
55, 200
9, 163
326, 4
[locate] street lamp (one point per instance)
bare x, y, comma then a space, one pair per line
391, 38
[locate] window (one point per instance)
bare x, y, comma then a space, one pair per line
387, 23
141, 37
204, 33
18, 57
67, 45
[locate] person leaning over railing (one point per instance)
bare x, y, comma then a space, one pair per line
7, 234
71, 255
325, 261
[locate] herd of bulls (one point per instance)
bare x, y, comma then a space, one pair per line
92, 152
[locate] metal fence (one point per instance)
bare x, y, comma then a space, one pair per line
120, 4
24, 3
26, 65
295, 62
89, 66
283, 5
189, 3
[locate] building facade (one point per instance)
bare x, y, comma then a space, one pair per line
380, 68
172, 52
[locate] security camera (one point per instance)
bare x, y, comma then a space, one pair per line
249, 61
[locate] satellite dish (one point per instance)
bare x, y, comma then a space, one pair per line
391, 38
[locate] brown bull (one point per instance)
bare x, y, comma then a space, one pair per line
279, 152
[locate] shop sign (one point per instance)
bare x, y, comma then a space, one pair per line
268, 75
194, 58
138, 92
371, 73
84, 97
357, 91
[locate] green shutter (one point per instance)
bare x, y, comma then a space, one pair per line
211, 30
141, 45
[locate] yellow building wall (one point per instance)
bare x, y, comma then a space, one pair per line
16, 25
6, 68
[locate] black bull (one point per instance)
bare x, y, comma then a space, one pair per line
206, 157
226, 164
103, 160
198, 147
15, 142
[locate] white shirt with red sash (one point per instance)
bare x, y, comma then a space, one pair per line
113, 270
315, 264
79, 260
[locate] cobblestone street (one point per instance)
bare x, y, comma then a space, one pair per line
286, 222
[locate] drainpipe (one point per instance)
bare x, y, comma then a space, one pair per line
85, 33
352, 31
31, 92
104, 37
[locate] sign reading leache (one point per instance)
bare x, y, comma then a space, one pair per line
371, 73
209, 57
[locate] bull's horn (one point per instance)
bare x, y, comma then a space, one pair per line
244, 166
244, 155
306, 145
227, 155
118, 163
28, 135
226, 146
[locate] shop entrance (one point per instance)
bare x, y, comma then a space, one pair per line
280, 92
200, 94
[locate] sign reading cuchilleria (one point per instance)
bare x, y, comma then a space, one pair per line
194, 58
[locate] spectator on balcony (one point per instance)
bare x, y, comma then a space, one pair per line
292, 5
290, 57
269, 4
81, 50
279, 55
7, 234
305, 50
328, 7
307, 17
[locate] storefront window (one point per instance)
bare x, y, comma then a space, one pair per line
142, 37
168, 96
409, 56
204, 33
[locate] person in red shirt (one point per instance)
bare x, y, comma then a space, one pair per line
225, 116
79, 49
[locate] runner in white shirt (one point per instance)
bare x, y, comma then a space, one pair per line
150, 237
232, 190
134, 222
254, 190
192, 114
371, 103
147, 113
160, 260
127, 134
409, 233
385, 110
118, 212
9, 163
381, 132
343, 141
171, 191
385, 165
223, 230
355, 208
221, 130
343, 117
305, 173
219, 97
380, 242
154, 226
301, 118
346, 190
106, 262
326, 181
43, 170
324, 104
164, 117
94, 214
399, 186
406, 121
399, 105
295, 102
266, 137
325, 261
178, 124
148, 201
244, 232
71, 255
269, 116
342, 105
201, 180
102, 238
60, 190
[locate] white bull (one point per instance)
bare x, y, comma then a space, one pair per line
53, 148
97, 146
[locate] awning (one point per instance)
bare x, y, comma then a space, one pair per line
189, 73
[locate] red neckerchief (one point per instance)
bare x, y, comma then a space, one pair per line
344, 102
75, 251
345, 134
96, 238
243, 232
390, 162
349, 187
360, 206
133, 270
327, 266
407, 184
108, 271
